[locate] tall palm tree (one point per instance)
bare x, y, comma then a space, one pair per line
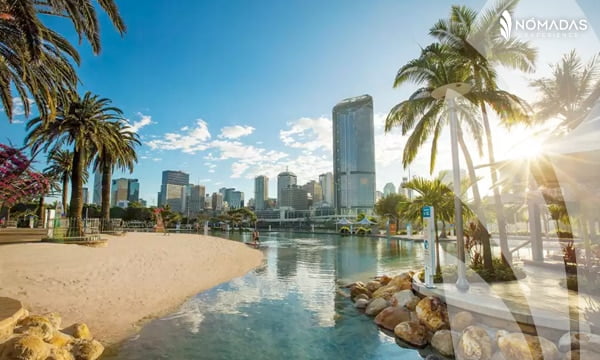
117, 152
36, 60
476, 38
77, 123
60, 168
570, 92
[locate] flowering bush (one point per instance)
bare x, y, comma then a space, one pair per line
17, 181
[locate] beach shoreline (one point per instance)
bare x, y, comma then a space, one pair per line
117, 289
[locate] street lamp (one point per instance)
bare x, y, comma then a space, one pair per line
450, 92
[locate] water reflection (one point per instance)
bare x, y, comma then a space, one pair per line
288, 308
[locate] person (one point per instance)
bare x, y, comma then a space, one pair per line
255, 238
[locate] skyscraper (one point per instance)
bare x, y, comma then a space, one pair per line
295, 197
314, 189
236, 199
172, 189
86, 195
217, 201
261, 192
389, 188
326, 181
284, 180
196, 200
124, 191
97, 194
354, 155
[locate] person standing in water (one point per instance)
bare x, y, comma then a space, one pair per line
255, 238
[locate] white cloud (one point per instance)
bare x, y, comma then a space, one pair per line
156, 159
136, 126
308, 133
189, 141
18, 109
388, 146
236, 131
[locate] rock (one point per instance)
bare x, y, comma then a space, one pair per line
499, 334
474, 344
375, 306
59, 353
60, 340
581, 355
85, 349
54, 319
36, 325
361, 303
432, 312
385, 292
26, 347
359, 288
434, 357
461, 320
78, 331
442, 342
406, 298
362, 296
389, 317
575, 341
402, 281
373, 285
342, 293
384, 280
412, 332
498, 356
518, 346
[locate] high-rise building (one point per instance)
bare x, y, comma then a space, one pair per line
402, 188
236, 199
295, 197
196, 199
389, 189
124, 191
133, 193
354, 155
378, 195
284, 180
326, 181
261, 192
172, 189
217, 201
97, 195
86, 196
208, 202
314, 189
226, 192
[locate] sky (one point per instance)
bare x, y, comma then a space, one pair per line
228, 90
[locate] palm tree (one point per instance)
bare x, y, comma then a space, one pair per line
36, 60
570, 92
77, 123
60, 168
476, 39
393, 204
118, 151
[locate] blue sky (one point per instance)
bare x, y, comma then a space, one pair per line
226, 90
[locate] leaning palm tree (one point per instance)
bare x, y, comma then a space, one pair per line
476, 38
60, 168
571, 91
117, 152
78, 124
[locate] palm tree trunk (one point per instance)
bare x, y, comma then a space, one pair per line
105, 202
65, 191
41, 211
438, 266
504, 250
485, 241
76, 207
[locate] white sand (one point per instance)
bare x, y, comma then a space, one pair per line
115, 289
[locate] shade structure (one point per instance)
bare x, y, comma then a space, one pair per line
365, 221
344, 221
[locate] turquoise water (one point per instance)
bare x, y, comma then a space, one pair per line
289, 308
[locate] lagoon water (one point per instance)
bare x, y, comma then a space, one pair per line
289, 308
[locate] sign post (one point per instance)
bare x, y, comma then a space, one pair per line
429, 244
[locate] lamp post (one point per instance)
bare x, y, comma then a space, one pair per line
450, 92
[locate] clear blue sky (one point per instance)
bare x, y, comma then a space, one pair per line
273, 68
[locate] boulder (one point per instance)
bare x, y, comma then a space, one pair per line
518, 346
432, 312
581, 355
412, 332
499, 334
78, 331
362, 296
461, 320
384, 280
36, 325
59, 353
580, 340
402, 281
376, 306
391, 316
498, 356
386, 292
359, 288
442, 343
85, 349
406, 298
373, 285
54, 319
474, 344
361, 303
26, 347
60, 340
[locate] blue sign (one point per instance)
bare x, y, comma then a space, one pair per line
426, 244
426, 211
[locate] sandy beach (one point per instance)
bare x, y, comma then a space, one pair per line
115, 289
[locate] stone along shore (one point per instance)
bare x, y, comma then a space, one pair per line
418, 321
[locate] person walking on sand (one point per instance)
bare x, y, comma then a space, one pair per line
255, 238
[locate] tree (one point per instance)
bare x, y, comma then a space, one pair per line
241, 215
118, 151
570, 92
79, 124
393, 204
35, 59
60, 168
477, 40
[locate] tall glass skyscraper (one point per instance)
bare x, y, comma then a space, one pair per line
261, 192
284, 180
354, 155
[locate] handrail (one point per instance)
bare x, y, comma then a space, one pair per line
520, 246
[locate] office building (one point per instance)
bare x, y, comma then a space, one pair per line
236, 199
315, 191
354, 155
261, 192
195, 203
284, 180
326, 181
389, 189
97, 194
217, 201
124, 191
172, 189
294, 197
86, 196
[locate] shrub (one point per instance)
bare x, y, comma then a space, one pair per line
501, 272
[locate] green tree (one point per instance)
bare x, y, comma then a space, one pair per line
570, 92
78, 123
477, 41
118, 151
392, 204
60, 168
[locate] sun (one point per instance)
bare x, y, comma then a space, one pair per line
519, 145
